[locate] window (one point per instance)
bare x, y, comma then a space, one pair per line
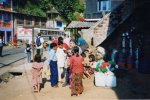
20, 19
0, 16
59, 23
43, 32
104, 5
7, 17
28, 20
7, 2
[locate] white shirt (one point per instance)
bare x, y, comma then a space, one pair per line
42, 41
1, 42
61, 57
52, 55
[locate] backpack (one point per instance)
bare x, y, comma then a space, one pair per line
28, 49
38, 42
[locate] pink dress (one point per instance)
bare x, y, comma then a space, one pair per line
37, 73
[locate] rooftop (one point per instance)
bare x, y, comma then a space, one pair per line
79, 24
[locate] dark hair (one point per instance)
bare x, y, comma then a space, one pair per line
28, 45
37, 58
106, 58
52, 45
86, 50
72, 40
50, 38
39, 34
76, 51
65, 35
92, 56
78, 35
83, 55
60, 42
60, 39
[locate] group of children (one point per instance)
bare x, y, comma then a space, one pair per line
77, 66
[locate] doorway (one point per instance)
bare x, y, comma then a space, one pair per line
2, 34
9, 36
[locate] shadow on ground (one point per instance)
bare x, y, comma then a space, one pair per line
133, 86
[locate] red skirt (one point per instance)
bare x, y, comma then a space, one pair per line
76, 84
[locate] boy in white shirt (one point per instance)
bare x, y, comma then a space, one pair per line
61, 59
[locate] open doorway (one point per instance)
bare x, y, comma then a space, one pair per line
9, 36
2, 34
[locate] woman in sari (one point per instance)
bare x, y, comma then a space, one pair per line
76, 72
15, 41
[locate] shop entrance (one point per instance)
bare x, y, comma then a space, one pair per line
9, 36
2, 34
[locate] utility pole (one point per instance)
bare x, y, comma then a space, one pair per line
33, 43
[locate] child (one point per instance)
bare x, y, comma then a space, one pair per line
68, 67
86, 65
92, 63
61, 58
28, 52
53, 65
37, 73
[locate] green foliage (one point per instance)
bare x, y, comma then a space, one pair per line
33, 7
68, 9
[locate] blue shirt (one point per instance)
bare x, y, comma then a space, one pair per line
81, 41
52, 55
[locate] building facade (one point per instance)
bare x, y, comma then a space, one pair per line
6, 21
24, 25
21, 26
98, 8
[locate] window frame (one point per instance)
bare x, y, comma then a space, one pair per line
100, 6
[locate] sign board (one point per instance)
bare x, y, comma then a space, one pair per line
24, 34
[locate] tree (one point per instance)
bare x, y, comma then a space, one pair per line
33, 7
68, 9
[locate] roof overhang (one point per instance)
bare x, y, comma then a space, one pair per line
80, 25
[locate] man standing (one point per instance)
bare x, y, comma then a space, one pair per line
81, 42
39, 44
1, 46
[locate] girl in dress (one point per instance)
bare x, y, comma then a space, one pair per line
92, 63
37, 73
